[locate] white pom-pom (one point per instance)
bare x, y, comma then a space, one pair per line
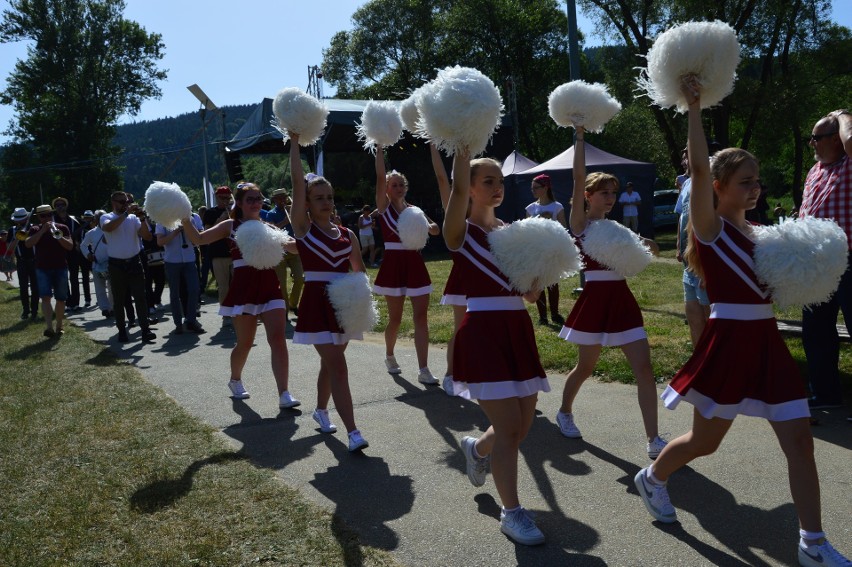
353, 302
800, 260
708, 50
459, 110
587, 105
167, 204
260, 244
534, 253
409, 114
616, 247
299, 112
413, 228
380, 124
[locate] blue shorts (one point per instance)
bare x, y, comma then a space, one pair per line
53, 283
692, 290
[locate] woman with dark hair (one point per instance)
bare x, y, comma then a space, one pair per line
545, 206
254, 293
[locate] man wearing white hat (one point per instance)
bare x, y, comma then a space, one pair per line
51, 241
25, 260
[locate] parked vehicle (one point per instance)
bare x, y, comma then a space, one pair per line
664, 204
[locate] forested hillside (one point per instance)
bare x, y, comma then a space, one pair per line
170, 149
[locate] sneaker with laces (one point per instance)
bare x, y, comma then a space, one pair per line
321, 417
477, 467
821, 555
565, 421
520, 527
655, 447
656, 498
447, 385
356, 442
287, 401
425, 377
238, 391
393, 367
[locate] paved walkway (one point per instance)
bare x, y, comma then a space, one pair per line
408, 492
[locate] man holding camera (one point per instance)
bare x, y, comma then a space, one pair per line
123, 227
51, 241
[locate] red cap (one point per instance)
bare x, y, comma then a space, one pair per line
223, 190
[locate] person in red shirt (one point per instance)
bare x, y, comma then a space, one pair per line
51, 241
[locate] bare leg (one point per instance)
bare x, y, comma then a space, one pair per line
587, 358
420, 305
395, 306
47, 311
275, 324
511, 420
703, 439
797, 443
458, 316
696, 318
60, 314
245, 326
639, 356
333, 361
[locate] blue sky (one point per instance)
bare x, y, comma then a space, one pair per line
240, 52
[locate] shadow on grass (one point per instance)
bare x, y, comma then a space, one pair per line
104, 358
16, 328
34, 349
163, 493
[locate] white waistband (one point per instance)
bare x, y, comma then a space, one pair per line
603, 276
394, 246
741, 311
239, 263
511, 303
323, 276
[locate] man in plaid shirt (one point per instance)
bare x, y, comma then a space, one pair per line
828, 194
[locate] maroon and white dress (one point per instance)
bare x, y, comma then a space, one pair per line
741, 364
606, 313
454, 293
252, 291
324, 258
495, 355
403, 272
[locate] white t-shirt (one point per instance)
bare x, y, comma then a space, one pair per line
124, 241
628, 200
548, 211
365, 226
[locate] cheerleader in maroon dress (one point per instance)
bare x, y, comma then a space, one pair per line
253, 293
327, 251
740, 364
403, 272
606, 313
496, 359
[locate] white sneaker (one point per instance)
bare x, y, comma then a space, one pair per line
821, 555
655, 447
425, 377
238, 391
656, 498
448, 385
565, 421
356, 442
393, 367
519, 526
321, 417
477, 468
287, 401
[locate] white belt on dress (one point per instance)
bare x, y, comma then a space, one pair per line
603, 276
509, 303
742, 311
323, 276
239, 263
394, 246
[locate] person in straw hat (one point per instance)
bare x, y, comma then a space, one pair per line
25, 262
51, 242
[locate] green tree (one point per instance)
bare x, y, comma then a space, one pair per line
86, 66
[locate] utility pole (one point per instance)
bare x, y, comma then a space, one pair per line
206, 104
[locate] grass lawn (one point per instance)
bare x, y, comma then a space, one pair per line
102, 468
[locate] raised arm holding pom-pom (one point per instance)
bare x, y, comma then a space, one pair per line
741, 364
